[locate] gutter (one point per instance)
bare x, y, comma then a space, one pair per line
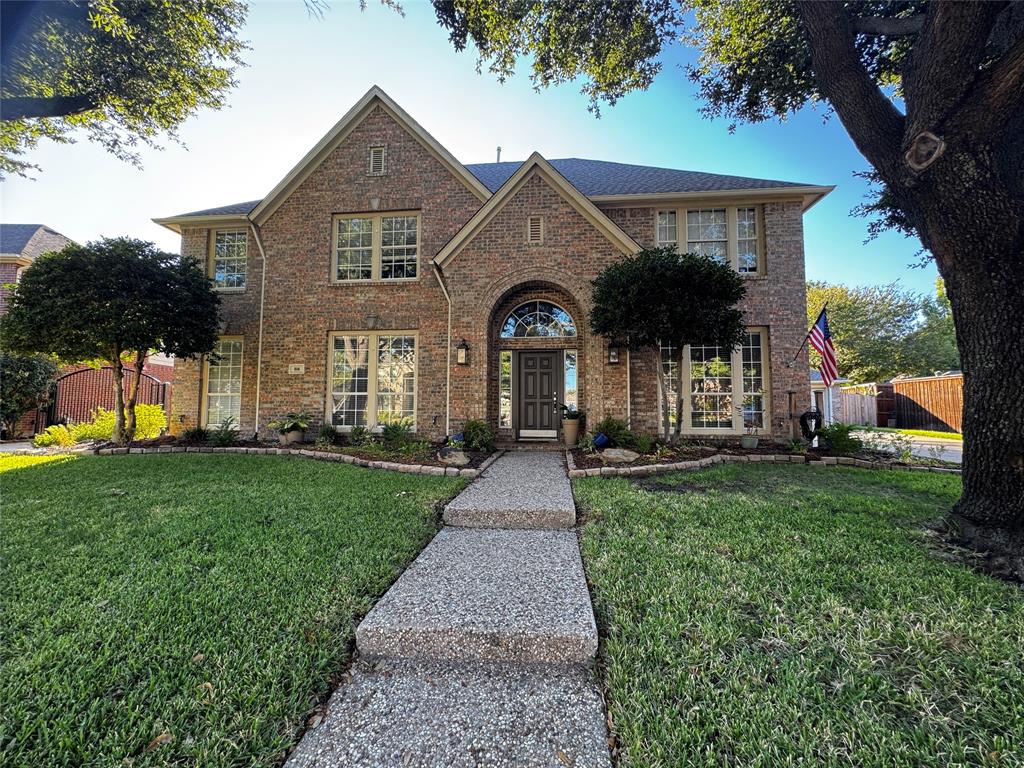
448, 363
259, 342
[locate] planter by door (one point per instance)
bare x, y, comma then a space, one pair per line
539, 394
295, 436
571, 431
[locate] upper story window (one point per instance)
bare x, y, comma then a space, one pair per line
228, 259
378, 161
376, 247
728, 234
538, 318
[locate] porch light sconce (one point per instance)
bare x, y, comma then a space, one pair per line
613, 354
462, 353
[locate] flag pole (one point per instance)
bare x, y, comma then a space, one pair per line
808, 334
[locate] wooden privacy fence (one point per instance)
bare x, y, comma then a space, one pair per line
930, 402
856, 407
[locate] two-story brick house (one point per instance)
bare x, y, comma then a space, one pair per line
383, 279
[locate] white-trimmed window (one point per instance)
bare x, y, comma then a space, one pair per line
376, 247
228, 259
505, 388
373, 379
729, 234
723, 392
223, 393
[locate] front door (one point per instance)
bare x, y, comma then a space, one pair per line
539, 393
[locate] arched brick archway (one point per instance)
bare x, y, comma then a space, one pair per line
502, 374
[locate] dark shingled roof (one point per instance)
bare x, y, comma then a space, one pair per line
601, 177
14, 239
592, 178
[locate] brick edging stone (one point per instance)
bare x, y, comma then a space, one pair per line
728, 458
344, 458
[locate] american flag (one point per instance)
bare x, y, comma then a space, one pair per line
821, 340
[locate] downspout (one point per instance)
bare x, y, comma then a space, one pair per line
448, 363
629, 394
259, 338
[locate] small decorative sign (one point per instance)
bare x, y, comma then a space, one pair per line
296, 369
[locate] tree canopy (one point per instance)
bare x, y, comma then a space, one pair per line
883, 331
115, 300
125, 72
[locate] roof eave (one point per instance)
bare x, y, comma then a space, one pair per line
176, 223
809, 195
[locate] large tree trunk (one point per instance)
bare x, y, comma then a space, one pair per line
133, 396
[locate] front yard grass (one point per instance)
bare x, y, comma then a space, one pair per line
790, 615
183, 609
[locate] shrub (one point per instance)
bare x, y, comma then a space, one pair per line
327, 435
360, 436
616, 431
225, 433
477, 435
55, 434
642, 442
24, 386
195, 435
150, 421
838, 439
396, 434
291, 422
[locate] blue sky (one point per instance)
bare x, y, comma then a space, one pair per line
305, 73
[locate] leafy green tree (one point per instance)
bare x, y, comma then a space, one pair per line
931, 93
883, 331
125, 71
658, 296
24, 386
114, 300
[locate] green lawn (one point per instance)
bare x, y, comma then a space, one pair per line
202, 601
914, 432
790, 615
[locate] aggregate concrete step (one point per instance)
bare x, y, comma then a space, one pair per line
487, 595
417, 714
519, 490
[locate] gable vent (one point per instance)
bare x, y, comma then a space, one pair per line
535, 229
378, 161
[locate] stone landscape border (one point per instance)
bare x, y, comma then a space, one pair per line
306, 453
646, 470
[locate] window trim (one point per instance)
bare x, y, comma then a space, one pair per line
373, 337
732, 231
376, 250
205, 399
736, 364
211, 259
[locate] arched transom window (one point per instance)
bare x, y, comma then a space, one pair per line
538, 318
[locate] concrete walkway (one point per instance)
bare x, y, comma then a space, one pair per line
481, 653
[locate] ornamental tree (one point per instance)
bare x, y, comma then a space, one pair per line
25, 384
115, 300
657, 297
931, 93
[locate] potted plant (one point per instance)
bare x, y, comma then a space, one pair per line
571, 418
291, 427
749, 440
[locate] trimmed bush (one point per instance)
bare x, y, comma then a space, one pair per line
150, 421
396, 434
837, 439
477, 435
55, 434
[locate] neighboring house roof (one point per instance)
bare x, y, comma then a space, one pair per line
817, 380
22, 243
512, 185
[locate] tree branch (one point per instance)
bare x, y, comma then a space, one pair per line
22, 107
874, 124
878, 26
998, 91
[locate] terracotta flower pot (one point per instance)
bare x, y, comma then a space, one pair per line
571, 431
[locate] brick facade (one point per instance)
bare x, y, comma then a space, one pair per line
492, 273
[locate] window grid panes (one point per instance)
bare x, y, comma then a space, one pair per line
398, 247
355, 249
396, 379
349, 381
670, 370
571, 380
753, 380
746, 239
710, 388
538, 318
707, 233
224, 383
667, 233
505, 388
229, 255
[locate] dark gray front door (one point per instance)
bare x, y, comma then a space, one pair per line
539, 392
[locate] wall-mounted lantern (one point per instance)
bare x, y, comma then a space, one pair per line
462, 353
613, 354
